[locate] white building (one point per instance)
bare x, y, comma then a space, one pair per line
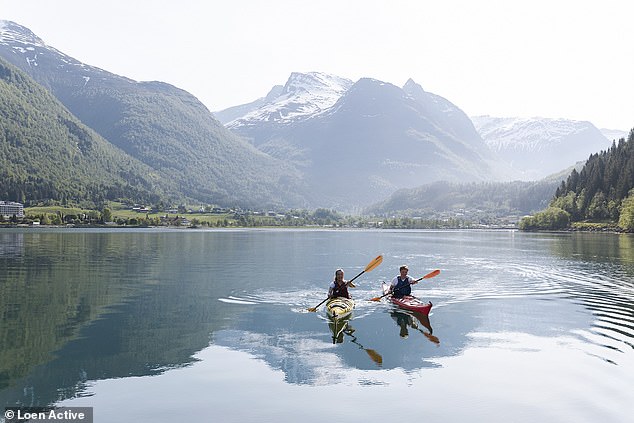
8, 209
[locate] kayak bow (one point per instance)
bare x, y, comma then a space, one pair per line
339, 307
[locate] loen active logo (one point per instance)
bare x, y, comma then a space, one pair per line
48, 414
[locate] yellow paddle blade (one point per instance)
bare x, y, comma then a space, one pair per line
374, 263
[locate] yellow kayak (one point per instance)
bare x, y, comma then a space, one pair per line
339, 307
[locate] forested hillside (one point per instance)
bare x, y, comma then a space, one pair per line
601, 192
46, 154
598, 190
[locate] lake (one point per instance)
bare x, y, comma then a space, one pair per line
158, 325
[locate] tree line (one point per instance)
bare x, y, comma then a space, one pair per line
602, 192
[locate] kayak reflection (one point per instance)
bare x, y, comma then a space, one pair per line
338, 326
342, 326
410, 319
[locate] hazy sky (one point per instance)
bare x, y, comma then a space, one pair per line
551, 58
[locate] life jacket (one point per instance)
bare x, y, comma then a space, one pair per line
340, 291
402, 288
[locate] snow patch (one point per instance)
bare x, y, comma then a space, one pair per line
526, 133
304, 95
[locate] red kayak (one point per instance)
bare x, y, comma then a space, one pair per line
409, 302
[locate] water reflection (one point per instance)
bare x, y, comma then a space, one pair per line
338, 327
76, 307
406, 319
82, 306
603, 282
11, 245
343, 326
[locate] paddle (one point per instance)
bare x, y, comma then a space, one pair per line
427, 276
371, 266
374, 356
424, 320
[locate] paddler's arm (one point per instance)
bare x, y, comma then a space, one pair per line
330, 289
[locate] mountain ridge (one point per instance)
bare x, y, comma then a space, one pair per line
318, 140
381, 137
163, 126
537, 147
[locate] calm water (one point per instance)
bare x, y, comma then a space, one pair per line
211, 326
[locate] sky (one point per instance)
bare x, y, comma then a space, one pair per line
548, 58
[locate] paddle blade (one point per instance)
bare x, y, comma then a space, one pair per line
312, 309
375, 356
374, 263
432, 338
431, 274
376, 299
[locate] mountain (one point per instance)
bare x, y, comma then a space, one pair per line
614, 134
48, 154
304, 95
235, 112
374, 139
162, 126
537, 147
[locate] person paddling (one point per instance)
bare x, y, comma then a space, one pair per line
401, 285
339, 287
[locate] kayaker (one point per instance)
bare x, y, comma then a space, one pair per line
339, 287
402, 284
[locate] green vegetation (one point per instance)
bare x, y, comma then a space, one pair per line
47, 156
552, 218
626, 219
599, 197
119, 215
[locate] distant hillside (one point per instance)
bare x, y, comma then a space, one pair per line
496, 199
48, 154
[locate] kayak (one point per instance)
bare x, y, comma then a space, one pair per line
339, 307
409, 302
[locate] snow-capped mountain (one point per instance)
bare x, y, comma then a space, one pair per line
12, 33
235, 112
304, 95
538, 147
27, 48
357, 145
